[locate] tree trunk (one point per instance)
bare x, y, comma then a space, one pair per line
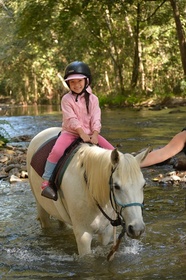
121, 82
135, 72
180, 34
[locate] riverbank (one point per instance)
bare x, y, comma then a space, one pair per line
166, 102
130, 129
153, 103
13, 165
13, 160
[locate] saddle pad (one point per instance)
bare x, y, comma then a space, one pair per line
39, 158
62, 164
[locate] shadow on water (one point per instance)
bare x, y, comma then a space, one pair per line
27, 252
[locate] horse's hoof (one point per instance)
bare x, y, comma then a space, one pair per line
48, 192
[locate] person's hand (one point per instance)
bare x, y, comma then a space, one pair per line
94, 138
85, 137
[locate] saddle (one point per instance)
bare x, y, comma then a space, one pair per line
39, 160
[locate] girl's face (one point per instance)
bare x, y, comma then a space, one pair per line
77, 85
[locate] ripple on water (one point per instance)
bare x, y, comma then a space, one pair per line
27, 252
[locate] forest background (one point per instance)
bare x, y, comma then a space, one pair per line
136, 49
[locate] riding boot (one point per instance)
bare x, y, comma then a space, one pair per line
47, 190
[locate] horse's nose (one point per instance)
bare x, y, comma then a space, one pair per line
135, 231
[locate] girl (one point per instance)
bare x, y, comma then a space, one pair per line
81, 118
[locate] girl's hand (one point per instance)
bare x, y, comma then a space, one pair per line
85, 137
94, 138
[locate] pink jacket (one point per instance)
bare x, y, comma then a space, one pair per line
75, 113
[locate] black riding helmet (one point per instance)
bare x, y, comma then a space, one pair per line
78, 67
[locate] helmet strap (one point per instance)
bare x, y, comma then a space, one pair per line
86, 96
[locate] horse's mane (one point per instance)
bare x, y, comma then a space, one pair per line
97, 166
96, 163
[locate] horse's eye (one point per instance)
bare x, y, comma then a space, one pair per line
116, 186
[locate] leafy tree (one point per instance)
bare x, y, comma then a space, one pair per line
131, 47
180, 32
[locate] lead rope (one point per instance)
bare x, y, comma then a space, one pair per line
114, 243
115, 247
117, 241
117, 222
114, 235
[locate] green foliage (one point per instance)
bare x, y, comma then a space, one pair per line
183, 86
41, 37
4, 136
3, 140
118, 100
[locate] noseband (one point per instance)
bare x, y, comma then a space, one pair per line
115, 203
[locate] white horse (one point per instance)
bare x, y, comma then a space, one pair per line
94, 176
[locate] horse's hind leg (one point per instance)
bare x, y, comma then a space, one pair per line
43, 217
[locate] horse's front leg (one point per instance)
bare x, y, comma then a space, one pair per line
105, 235
83, 240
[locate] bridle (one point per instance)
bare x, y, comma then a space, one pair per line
115, 203
119, 221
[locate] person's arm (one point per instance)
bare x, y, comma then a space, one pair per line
95, 112
175, 146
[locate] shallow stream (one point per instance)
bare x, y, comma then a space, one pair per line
28, 252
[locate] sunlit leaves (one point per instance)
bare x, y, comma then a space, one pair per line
43, 36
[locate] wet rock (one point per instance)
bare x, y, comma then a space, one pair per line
3, 158
22, 138
24, 174
13, 162
180, 164
10, 147
14, 171
12, 166
3, 176
14, 179
171, 178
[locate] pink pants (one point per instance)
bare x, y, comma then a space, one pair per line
64, 141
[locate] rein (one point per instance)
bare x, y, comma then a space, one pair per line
119, 220
114, 223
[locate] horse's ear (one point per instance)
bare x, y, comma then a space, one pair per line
115, 156
140, 157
